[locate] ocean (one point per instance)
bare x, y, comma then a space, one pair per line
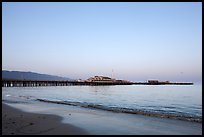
172, 101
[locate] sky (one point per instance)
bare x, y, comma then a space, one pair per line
134, 41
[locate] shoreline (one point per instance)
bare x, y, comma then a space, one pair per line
17, 122
125, 110
88, 121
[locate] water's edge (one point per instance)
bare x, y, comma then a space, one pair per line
124, 110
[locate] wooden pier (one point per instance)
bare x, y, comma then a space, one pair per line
37, 83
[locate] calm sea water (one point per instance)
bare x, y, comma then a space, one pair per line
180, 100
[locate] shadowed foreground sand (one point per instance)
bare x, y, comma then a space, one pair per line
16, 122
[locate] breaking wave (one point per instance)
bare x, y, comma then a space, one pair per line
157, 113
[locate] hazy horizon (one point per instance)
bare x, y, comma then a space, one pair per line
137, 41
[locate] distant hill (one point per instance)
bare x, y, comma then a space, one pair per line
20, 75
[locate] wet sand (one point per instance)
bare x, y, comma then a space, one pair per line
87, 121
16, 122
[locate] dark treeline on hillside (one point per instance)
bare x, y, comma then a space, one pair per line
19, 75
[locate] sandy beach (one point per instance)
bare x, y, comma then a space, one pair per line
75, 120
16, 122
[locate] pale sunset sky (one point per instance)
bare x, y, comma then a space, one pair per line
138, 41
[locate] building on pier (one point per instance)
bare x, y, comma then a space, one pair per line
105, 79
100, 79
